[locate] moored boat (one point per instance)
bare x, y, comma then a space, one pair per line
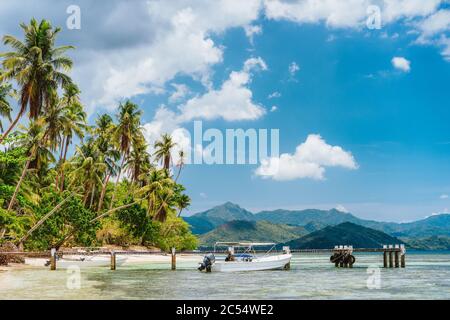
248, 260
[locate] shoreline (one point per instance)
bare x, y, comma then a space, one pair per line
39, 263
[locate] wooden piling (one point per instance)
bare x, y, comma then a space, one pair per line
402, 260
174, 259
397, 264
113, 260
391, 260
53, 259
385, 259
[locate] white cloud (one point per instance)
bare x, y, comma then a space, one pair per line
421, 16
443, 196
401, 63
341, 208
273, 109
346, 13
309, 161
181, 91
231, 102
251, 31
293, 68
274, 94
181, 44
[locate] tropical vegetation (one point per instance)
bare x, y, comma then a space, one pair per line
67, 181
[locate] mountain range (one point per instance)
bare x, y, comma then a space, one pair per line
231, 222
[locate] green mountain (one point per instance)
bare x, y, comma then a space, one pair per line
346, 233
315, 219
304, 217
242, 230
430, 243
208, 220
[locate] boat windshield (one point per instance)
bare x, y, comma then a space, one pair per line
248, 246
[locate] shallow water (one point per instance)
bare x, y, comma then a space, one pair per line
312, 276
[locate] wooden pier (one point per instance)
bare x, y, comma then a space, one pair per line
342, 255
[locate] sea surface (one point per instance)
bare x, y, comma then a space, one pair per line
312, 276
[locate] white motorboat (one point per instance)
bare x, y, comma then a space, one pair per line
248, 260
87, 261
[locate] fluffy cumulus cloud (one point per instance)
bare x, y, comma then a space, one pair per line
309, 160
401, 64
232, 101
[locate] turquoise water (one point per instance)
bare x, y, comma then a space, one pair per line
426, 276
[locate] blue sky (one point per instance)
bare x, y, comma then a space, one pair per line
387, 121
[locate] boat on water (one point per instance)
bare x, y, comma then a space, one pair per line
247, 260
86, 261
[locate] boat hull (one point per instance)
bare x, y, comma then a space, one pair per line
257, 264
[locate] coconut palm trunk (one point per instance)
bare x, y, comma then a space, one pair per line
13, 124
16, 191
117, 182
102, 194
63, 161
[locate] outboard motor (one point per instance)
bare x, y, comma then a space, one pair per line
207, 263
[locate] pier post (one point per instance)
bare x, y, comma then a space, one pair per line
113, 260
391, 260
53, 259
397, 262
402, 256
385, 256
174, 259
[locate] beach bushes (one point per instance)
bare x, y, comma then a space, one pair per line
71, 216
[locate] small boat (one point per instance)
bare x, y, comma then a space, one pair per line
246, 261
86, 261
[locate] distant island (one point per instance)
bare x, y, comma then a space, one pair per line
314, 228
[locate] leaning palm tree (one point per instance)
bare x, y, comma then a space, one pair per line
182, 202
87, 170
180, 163
5, 108
35, 145
163, 149
157, 182
37, 66
128, 127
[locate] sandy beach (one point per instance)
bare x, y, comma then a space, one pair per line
131, 259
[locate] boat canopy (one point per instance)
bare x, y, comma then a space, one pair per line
245, 244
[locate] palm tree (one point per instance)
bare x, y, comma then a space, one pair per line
157, 182
88, 168
163, 148
182, 202
138, 160
102, 132
180, 163
76, 126
35, 145
37, 66
5, 108
129, 118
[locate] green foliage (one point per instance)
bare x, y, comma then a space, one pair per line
38, 170
15, 225
72, 215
